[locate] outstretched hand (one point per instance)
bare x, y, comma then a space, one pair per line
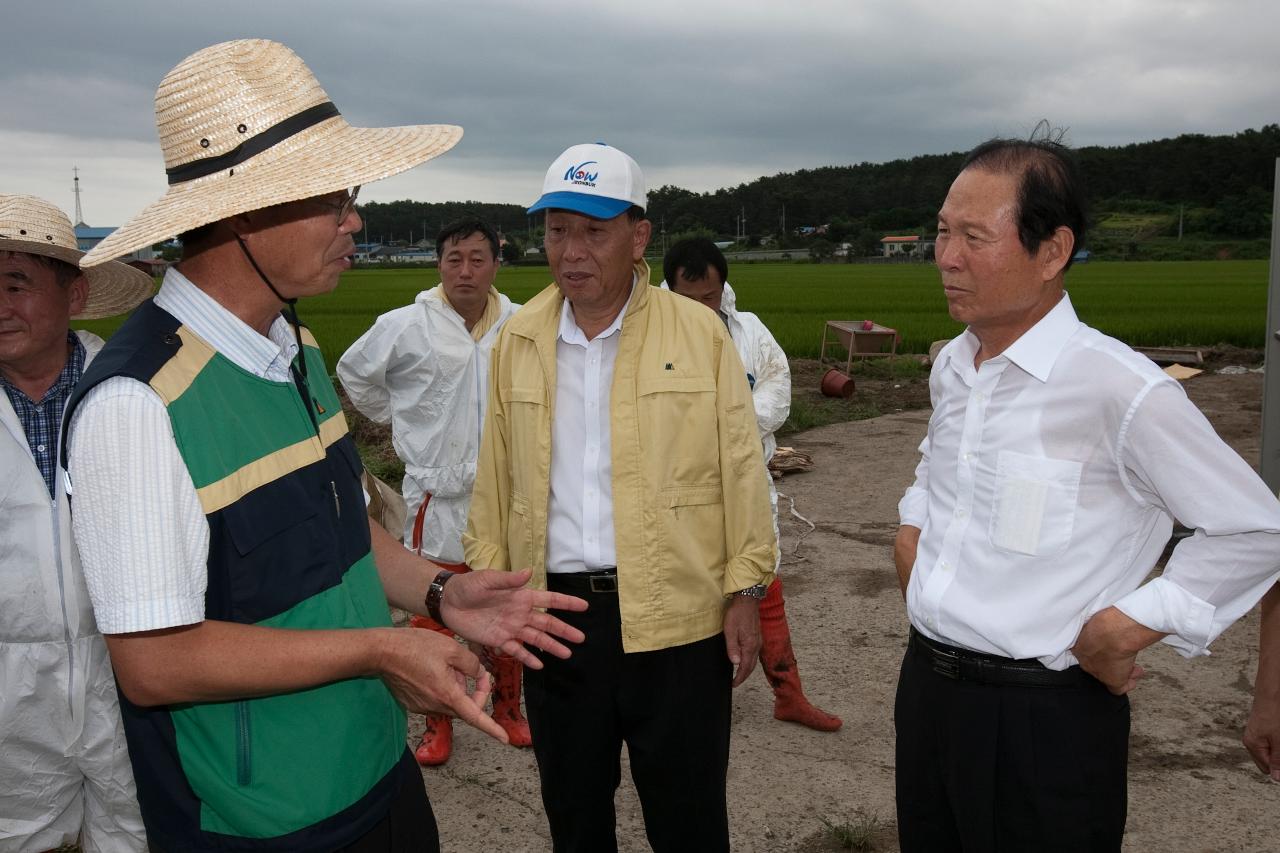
498, 610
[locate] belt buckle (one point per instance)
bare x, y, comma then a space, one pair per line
603, 583
946, 663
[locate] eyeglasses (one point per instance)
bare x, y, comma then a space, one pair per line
344, 207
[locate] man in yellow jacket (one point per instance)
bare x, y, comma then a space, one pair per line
620, 461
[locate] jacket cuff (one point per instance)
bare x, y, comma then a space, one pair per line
749, 569
483, 555
1163, 606
913, 509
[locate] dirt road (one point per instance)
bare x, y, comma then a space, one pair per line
1192, 786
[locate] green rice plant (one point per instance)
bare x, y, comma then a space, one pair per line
1173, 303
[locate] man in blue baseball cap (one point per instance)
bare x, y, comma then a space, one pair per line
646, 494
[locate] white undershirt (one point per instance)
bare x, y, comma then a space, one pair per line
138, 522
1047, 489
580, 511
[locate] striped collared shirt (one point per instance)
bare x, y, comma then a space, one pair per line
144, 540
42, 418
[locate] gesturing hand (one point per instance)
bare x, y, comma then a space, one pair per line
428, 672
497, 610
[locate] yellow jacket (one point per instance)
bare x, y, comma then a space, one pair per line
690, 493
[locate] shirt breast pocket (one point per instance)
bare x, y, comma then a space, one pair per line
1034, 507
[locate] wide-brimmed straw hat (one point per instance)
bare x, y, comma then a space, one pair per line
33, 225
244, 125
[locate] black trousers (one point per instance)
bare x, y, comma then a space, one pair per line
672, 710
986, 768
409, 827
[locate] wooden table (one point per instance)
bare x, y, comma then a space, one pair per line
857, 341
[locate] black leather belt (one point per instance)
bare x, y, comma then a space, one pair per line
963, 665
602, 581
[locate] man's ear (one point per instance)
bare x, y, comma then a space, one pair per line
78, 294
640, 239
1056, 251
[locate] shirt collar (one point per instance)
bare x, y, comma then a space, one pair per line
1035, 352
571, 334
67, 377
1039, 347
223, 330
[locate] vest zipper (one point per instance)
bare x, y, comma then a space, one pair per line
337, 505
243, 765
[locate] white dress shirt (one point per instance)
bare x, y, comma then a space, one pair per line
1047, 489
143, 537
580, 510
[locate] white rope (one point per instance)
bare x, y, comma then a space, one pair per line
795, 550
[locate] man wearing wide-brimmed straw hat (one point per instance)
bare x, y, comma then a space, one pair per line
241, 588
62, 755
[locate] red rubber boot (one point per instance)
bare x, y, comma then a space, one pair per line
437, 737
437, 741
778, 660
507, 675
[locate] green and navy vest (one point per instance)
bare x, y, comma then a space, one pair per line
278, 478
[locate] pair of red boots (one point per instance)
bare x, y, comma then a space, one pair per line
437, 738
777, 659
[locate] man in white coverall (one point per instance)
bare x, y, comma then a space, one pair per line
696, 268
64, 768
424, 369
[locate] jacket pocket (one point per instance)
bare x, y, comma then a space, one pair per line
252, 524
679, 424
1034, 505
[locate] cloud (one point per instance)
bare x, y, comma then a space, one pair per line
703, 93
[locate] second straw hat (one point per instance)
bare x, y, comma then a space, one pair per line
244, 125
37, 227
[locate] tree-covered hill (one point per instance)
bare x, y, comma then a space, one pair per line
1218, 186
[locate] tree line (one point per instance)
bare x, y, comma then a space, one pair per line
1219, 186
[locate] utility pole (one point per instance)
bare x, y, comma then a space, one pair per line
1271, 385
75, 171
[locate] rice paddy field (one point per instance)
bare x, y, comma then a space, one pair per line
1171, 303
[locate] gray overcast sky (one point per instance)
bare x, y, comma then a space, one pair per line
702, 93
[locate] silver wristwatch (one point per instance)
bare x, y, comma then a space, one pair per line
757, 592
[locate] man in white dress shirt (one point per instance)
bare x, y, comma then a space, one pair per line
1055, 464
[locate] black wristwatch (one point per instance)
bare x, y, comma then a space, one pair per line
757, 592
435, 594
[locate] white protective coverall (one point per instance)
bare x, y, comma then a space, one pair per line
419, 370
770, 378
64, 765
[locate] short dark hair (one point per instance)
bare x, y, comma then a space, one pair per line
197, 239
461, 229
693, 255
63, 272
1050, 190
